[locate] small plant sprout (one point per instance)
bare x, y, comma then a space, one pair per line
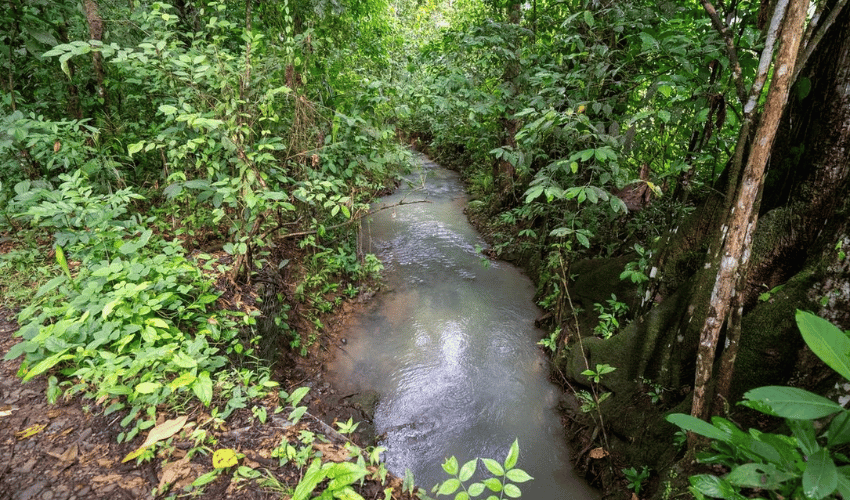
636, 478
601, 369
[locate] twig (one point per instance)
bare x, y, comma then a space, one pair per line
354, 219
731, 51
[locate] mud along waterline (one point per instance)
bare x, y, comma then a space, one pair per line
450, 347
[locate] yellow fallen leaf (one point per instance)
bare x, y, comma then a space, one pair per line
224, 458
30, 431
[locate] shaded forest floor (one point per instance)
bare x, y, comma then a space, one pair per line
69, 450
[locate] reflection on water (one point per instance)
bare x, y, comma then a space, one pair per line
451, 348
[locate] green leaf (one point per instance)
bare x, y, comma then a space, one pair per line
765, 476
804, 431
714, 486
512, 491
493, 466
297, 395
47, 363
449, 486
821, 476
518, 476
468, 469
311, 479
147, 387
790, 402
450, 466
513, 455
825, 339
203, 388
701, 427
493, 484
206, 478
839, 429
844, 481
475, 489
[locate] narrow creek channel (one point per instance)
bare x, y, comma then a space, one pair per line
450, 347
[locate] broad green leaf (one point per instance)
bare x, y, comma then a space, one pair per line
493, 466
147, 387
206, 478
512, 491
449, 486
754, 475
493, 484
513, 455
821, 476
844, 481
790, 402
311, 479
476, 489
713, 486
467, 470
825, 339
298, 395
518, 476
701, 427
804, 431
839, 429
47, 363
182, 380
203, 389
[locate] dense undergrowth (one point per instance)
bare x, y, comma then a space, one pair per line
173, 177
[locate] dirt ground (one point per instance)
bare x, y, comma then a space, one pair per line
70, 451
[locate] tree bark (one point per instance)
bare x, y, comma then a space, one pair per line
737, 234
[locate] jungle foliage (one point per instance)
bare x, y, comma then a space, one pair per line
162, 162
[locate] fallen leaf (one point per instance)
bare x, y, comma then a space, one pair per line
160, 432
598, 453
67, 456
332, 452
174, 471
224, 458
165, 430
53, 413
5, 411
30, 431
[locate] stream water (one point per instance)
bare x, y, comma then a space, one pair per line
450, 346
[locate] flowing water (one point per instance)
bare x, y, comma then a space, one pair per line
450, 346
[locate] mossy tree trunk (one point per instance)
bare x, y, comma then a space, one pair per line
737, 234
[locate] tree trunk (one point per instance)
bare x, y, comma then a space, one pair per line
737, 234
818, 124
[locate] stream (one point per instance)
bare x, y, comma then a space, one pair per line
449, 344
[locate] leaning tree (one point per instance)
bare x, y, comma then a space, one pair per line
771, 240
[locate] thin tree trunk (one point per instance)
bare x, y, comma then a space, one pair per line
95, 23
738, 232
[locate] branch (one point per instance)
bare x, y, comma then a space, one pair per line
766, 58
354, 219
721, 28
